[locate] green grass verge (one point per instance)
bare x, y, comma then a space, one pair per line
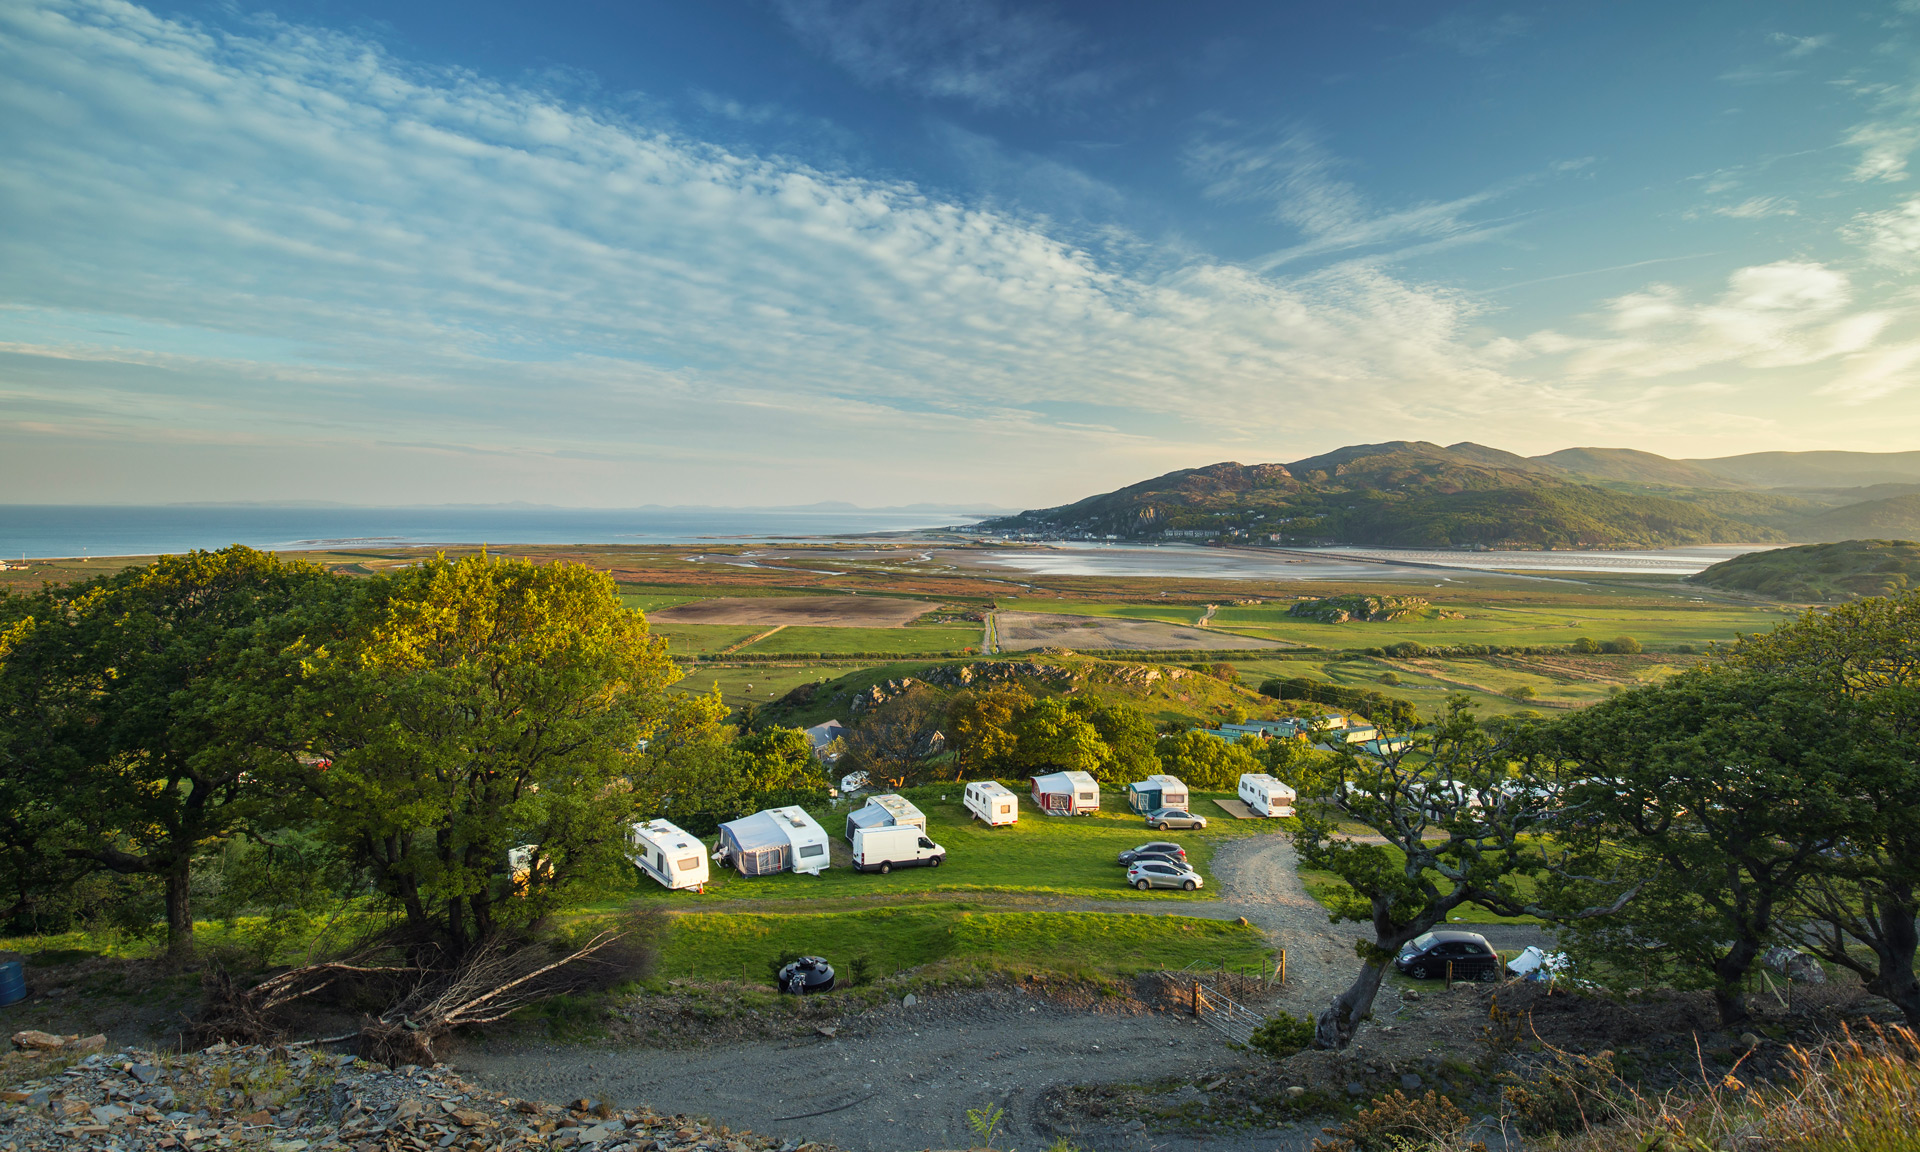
740, 945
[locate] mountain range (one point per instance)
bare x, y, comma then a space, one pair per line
1410, 493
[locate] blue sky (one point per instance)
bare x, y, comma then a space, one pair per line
777, 251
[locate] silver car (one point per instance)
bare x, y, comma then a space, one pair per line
1162, 819
1163, 874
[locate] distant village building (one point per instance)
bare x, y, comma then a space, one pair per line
822, 737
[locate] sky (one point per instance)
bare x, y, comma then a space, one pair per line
605, 253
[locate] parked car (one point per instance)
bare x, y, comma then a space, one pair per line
1426, 956
1162, 819
807, 974
1162, 874
1160, 849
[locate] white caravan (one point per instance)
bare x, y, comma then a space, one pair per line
1265, 795
884, 848
884, 811
667, 853
1066, 794
775, 840
993, 802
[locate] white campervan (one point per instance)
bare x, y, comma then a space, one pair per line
993, 802
885, 847
1265, 795
668, 854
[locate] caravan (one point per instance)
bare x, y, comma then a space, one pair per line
993, 802
1066, 794
1265, 795
668, 854
772, 841
1156, 792
885, 812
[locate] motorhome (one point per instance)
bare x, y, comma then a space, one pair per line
1066, 794
993, 802
1265, 795
885, 811
667, 853
774, 840
1156, 792
884, 848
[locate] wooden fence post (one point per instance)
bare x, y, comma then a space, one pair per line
1449, 975
1283, 967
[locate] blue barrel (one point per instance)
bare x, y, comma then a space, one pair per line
13, 982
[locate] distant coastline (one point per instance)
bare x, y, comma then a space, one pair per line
48, 531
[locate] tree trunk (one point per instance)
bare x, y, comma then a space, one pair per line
179, 908
1731, 969
1343, 1017
1895, 950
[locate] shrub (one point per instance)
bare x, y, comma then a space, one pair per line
1282, 1036
1521, 692
1389, 678
1431, 1123
1566, 1094
1406, 649
1585, 645
1621, 646
1230, 674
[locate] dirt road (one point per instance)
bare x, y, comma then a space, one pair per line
904, 1076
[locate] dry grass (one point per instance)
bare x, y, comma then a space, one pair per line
1858, 1094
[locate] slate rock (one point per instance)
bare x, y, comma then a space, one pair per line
1411, 1083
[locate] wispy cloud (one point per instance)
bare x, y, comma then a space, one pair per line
1756, 208
1891, 237
1887, 138
1472, 33
985, 53
1798, 46
353, 253
1301, 183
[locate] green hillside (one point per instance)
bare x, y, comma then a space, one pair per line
1897, 518
1630, 465
1403, 493
1815, 573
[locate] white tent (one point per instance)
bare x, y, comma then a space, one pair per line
666, 852
1066, 793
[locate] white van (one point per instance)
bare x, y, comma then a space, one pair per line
669, 855
882, 849
1265, 795
993, 802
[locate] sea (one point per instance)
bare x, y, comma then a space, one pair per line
50, 531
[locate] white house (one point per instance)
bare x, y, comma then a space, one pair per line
1265, 795
992, 802
670, 855
1066, 794
822, 737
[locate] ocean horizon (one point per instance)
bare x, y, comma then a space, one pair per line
58, 531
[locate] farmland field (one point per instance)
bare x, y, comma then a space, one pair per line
905, 641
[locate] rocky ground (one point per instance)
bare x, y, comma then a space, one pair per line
303, 1101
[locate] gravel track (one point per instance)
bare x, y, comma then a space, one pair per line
903, 1077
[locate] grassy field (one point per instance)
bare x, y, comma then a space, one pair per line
701, 639
1558, 683
741, 945
1040, 855
905, 641
759, 684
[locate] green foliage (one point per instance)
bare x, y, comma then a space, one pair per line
984, 1121
1564, 1093
1387, 711
1620, 646
1390, 679
143, 715
470, 707
1814, 573
1722, 791
1208, 762
1585, 646
1354, 606
1282, 1036
1522, 692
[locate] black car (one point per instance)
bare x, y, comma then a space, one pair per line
807, 974
1154, 850
1426, 956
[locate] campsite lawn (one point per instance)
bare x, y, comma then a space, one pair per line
1040, 855
741, 945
